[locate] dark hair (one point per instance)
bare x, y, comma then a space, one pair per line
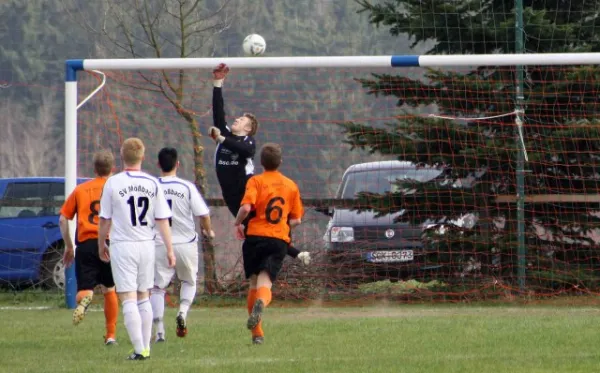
167, 159
270, 156
104, 162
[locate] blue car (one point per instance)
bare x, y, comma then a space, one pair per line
31, 246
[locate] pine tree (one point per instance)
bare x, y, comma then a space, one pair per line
561, 125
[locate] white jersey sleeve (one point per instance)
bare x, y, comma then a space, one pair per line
198, 204
106, 201
186, 203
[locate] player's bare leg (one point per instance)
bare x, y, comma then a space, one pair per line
186, 296
157, 300
133, 323
263, 298
84, 299
111, 312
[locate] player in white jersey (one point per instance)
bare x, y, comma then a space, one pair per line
187, 205
132, 206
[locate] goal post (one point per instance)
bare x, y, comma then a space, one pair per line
333, 62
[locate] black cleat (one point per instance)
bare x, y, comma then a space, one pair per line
258, 340
256, 314
181, 326
135, 356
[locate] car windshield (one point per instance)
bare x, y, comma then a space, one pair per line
381, 181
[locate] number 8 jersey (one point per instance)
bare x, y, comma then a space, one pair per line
275, 198
133, 200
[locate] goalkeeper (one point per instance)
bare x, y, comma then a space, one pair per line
235, 150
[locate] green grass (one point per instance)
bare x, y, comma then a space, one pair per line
448, 338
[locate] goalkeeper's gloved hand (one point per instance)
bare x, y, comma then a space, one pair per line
215, 133
304, 257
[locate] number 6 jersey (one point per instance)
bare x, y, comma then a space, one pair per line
133, 200
275, 198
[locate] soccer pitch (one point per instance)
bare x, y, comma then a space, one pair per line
415, 338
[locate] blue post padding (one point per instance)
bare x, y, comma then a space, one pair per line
70, 287
405, 61
72, 66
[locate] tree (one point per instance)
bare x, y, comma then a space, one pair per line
30, 144
162, 29
561, 126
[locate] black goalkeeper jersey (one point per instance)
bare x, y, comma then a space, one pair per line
233, 158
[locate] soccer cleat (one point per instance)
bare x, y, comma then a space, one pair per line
110, 341
256, 314
181, 326
258, 340
81, 309
159, 338
134, 356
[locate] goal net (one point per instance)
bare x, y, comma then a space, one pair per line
411, 177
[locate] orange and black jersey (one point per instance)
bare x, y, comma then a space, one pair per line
85, 202
233, 158
274, 199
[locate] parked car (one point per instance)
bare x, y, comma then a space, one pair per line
361, 246
31, 246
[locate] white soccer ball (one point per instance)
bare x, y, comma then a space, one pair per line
254, 45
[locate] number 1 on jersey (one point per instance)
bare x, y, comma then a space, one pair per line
170, 203
143, 203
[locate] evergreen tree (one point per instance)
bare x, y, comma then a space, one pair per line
561, 126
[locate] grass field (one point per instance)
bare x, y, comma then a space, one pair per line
415, 338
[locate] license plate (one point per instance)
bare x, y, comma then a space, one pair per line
396, 256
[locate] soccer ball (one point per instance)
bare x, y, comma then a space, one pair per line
254, 45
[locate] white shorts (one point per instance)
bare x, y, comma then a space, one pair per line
132, 265
186, 264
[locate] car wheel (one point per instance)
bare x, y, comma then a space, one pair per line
52, 272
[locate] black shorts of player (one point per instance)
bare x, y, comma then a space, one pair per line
263, 254
89, 269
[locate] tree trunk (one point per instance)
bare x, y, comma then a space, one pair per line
208, 249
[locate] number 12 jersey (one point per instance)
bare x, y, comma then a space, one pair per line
133, 200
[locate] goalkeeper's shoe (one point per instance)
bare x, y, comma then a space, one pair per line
181, 326
258, 340
81, 309
256, 314
110, 341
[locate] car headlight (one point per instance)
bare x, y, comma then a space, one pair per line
341, 234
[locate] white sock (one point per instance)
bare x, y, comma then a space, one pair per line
186, 297
133, 324
157, 300
145, 309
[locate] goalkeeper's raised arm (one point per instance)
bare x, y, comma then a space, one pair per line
219, 74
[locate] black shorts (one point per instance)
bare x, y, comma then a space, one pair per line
263, 254
89, 269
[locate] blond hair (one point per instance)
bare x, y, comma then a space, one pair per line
132, 151
104, 161
253, 123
